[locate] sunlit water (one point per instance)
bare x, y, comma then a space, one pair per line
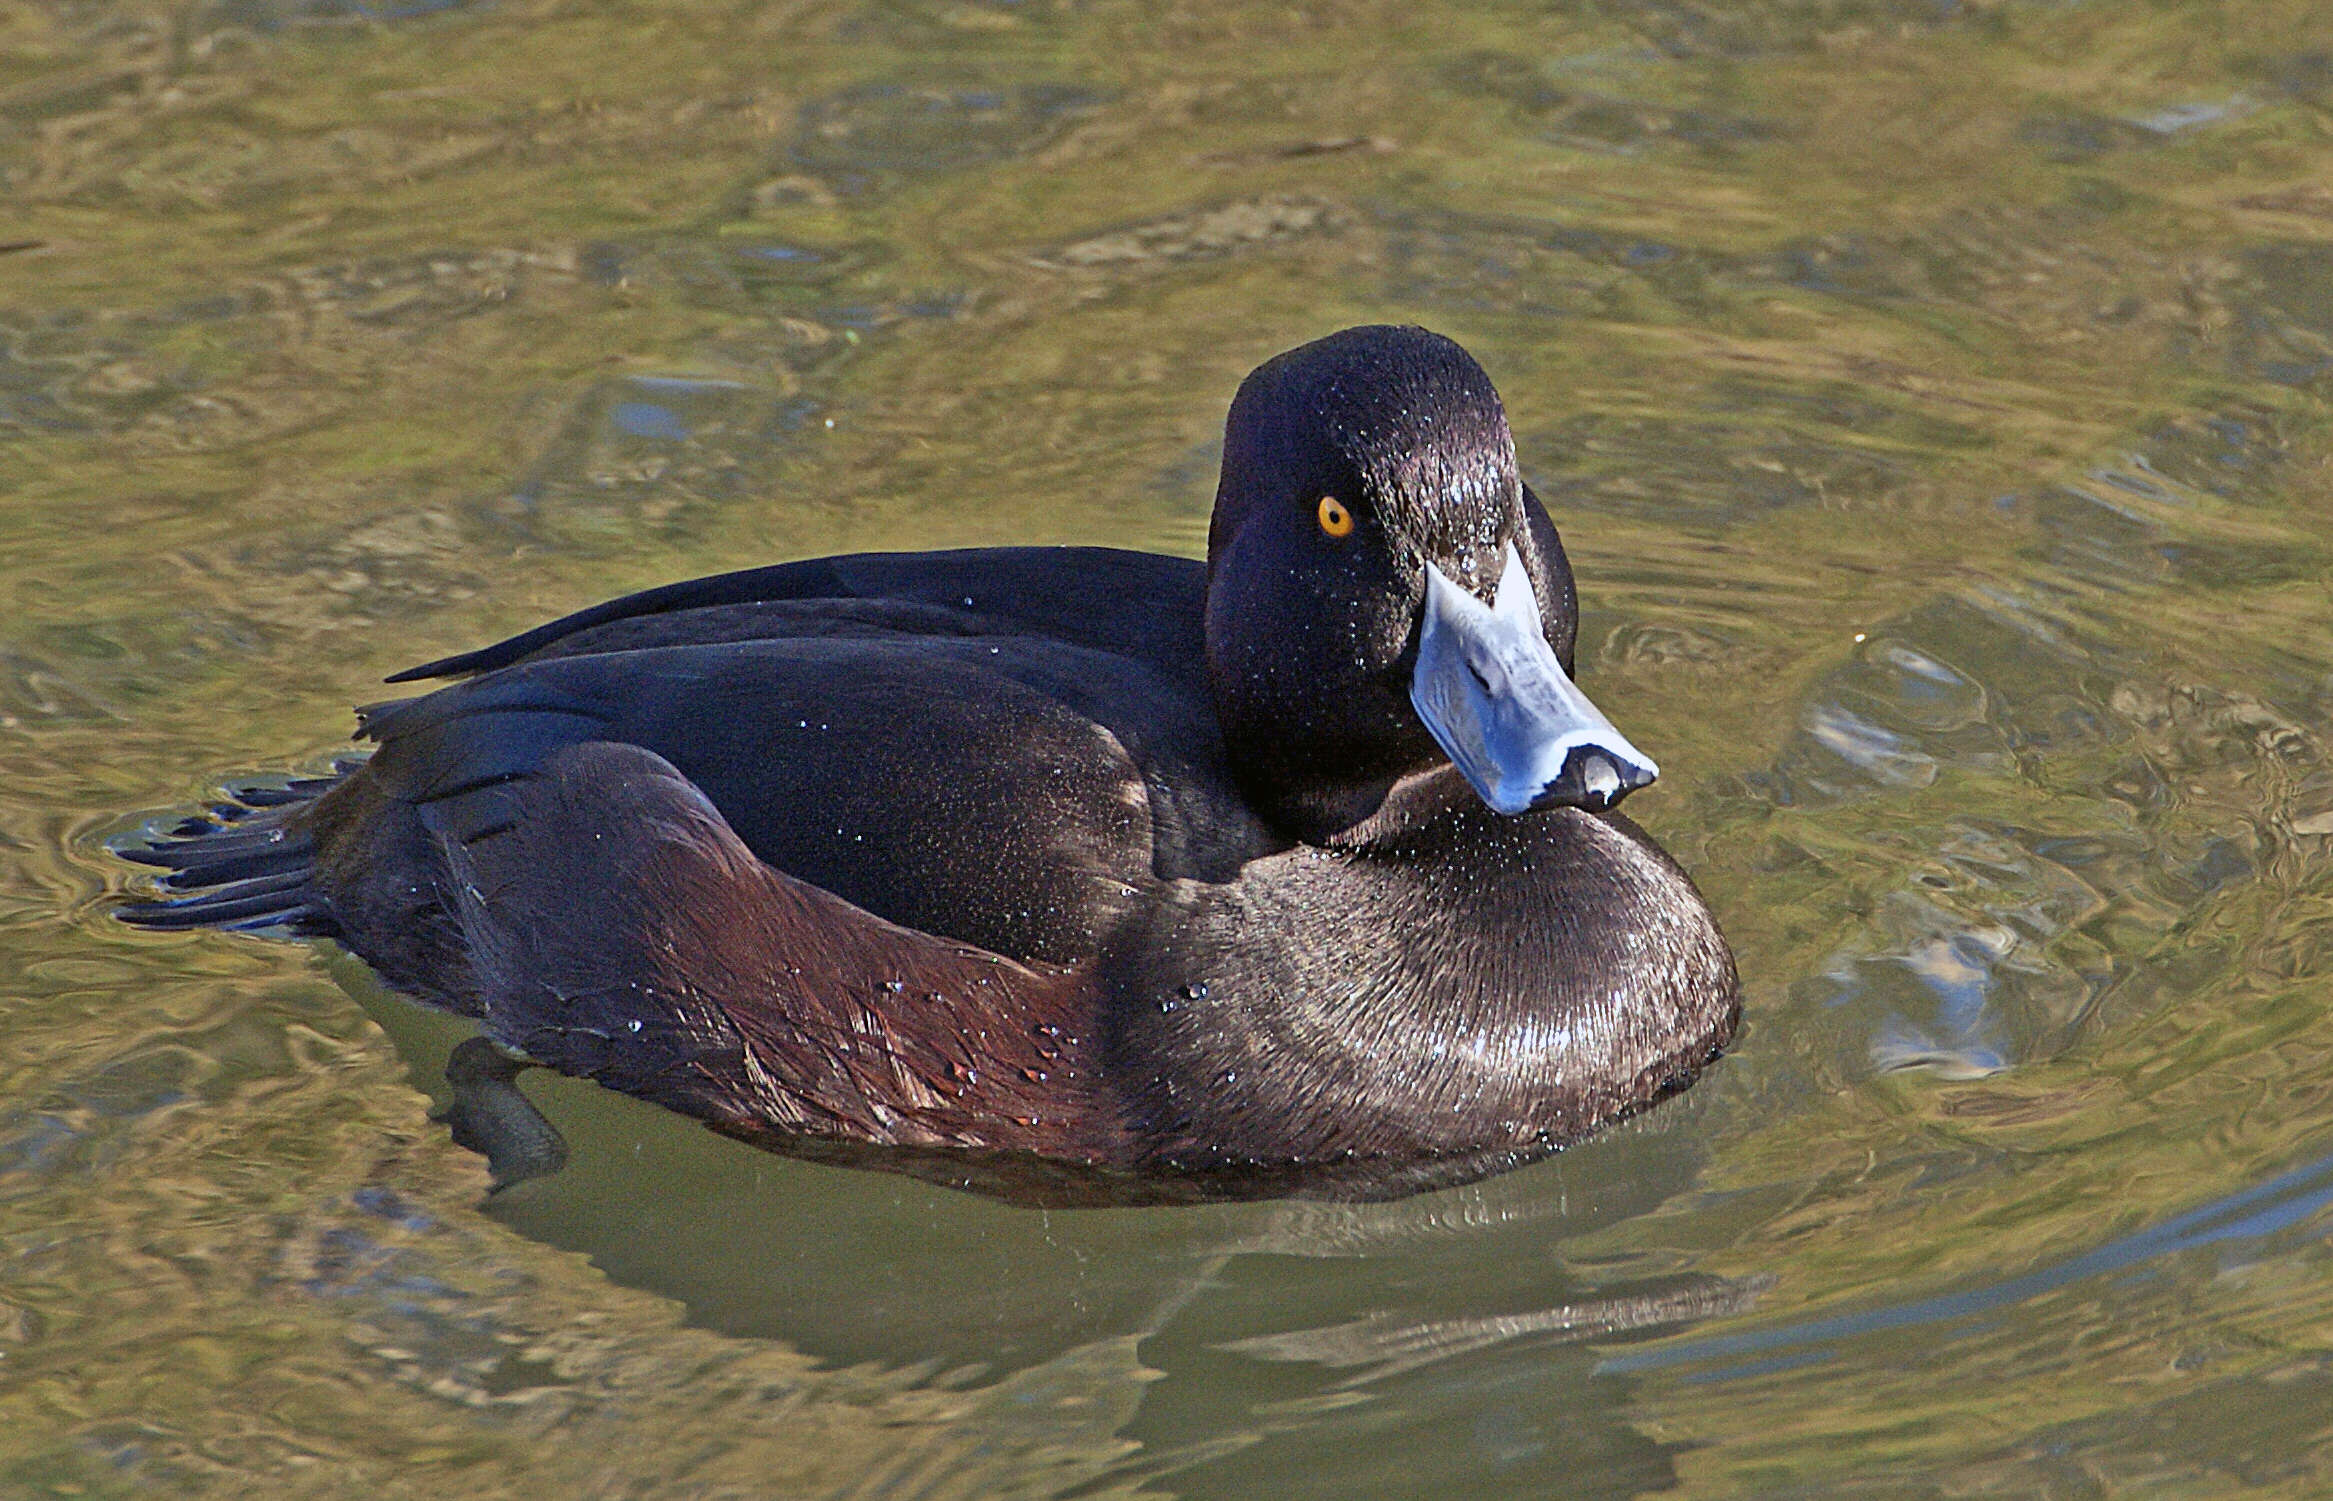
1933, 399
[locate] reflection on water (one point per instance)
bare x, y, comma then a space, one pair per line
1933, 396
2290, 1201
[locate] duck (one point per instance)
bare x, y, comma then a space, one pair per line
1067, 874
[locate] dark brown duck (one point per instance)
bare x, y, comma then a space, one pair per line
1070, 873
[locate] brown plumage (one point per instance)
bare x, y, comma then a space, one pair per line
777, 1004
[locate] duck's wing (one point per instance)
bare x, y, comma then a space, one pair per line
1140, 605
1011, 792
618, 929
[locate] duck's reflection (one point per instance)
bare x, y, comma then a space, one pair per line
1225, 1342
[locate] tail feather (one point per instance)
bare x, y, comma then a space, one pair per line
209, 844
238, 904
246, 866
286, 857
277, 795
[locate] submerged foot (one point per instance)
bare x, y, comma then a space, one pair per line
490, 1117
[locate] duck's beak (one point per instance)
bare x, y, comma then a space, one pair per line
1514, 724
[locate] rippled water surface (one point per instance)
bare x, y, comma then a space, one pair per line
1933, 396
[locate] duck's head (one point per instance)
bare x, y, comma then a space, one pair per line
1384, 593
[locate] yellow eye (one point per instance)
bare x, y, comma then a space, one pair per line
1334, 518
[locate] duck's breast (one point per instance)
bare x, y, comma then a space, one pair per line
1482, 983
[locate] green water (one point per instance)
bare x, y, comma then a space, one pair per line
1933, 397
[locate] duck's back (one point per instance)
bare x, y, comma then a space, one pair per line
1002, 747
1141, 606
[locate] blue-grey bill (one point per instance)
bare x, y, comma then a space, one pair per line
1502, 708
